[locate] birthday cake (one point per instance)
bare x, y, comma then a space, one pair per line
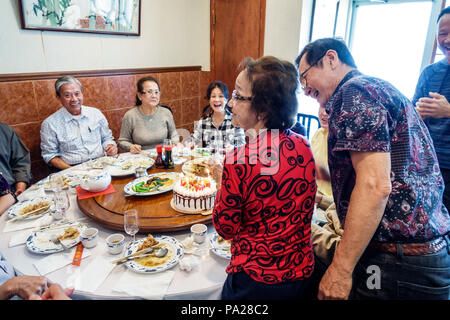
194, 194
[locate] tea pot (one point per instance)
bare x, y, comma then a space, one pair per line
96, 181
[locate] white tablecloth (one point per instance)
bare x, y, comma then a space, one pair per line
204, 282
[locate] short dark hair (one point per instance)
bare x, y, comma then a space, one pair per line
140, 87
444, 11
274, 84
317, 49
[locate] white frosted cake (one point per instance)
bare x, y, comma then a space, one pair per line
194, 194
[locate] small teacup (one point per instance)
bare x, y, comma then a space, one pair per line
199, 232
89, 237
115, 243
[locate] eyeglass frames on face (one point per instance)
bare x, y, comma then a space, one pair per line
151, 92
303, 74
237, 96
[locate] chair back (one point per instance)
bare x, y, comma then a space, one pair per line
308, 121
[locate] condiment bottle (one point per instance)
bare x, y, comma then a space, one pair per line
168, 161
159, 163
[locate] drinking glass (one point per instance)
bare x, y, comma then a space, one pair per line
131, 222
62, 202
56, 182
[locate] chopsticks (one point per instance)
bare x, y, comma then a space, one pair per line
62, 225
43, 209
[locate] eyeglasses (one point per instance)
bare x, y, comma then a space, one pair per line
151, 92
303, 74
237, 96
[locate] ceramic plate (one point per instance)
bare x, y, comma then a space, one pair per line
126, 167
103, 162
40, 242
176, 253
71, 179
220, 249
171, 175
16, 209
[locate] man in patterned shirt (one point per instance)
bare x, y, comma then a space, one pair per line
74, 133
386, 184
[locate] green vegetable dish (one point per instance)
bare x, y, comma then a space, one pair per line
152, 184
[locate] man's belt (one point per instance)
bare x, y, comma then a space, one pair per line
411, 249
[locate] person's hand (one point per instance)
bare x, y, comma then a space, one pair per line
335, 284
318, 198
135, 148
437, 106
111, 150
217, 169
27, 287
20, 187
56, 292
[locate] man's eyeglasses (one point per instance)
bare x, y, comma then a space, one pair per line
150, 92
303, 80
237, 96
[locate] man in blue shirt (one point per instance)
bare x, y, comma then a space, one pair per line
75, 133
432, 98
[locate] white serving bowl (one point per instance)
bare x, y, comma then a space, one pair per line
96, 181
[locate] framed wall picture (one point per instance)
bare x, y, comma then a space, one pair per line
119, 17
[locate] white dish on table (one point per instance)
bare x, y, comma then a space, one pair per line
14, 211
220, 249
171, 175
40, 242
176, 253
127, 166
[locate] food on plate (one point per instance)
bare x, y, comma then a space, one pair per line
39, 207
194, 194
69, 234
148, 242
153, 183
201, 168
222, 241
153, 261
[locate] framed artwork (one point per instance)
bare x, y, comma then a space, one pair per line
119, 17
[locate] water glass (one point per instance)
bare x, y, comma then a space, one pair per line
62, 203
131, 222
56, 182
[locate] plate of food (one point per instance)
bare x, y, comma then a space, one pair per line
69, 180
43, 242
126, 167
103, 162
202, 152
32, 209
152, 184
166, 254
220, 246
198, 167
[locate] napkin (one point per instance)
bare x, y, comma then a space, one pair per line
94, 274
188, 263
18, 239
83, 194
57, 261
147, 286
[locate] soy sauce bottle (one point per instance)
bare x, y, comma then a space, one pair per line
168, 161
159, 162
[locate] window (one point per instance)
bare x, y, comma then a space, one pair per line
389, 39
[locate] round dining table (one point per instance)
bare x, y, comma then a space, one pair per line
203, 280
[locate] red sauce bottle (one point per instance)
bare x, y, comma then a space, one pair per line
159, 162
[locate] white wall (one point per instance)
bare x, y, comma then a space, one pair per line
282, 31
173, 33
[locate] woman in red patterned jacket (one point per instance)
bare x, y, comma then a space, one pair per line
266, 199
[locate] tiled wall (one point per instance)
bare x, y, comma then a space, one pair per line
25, 104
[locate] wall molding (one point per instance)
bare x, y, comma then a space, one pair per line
92, 73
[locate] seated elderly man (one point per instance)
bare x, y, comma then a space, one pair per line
75, 133
14, 159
